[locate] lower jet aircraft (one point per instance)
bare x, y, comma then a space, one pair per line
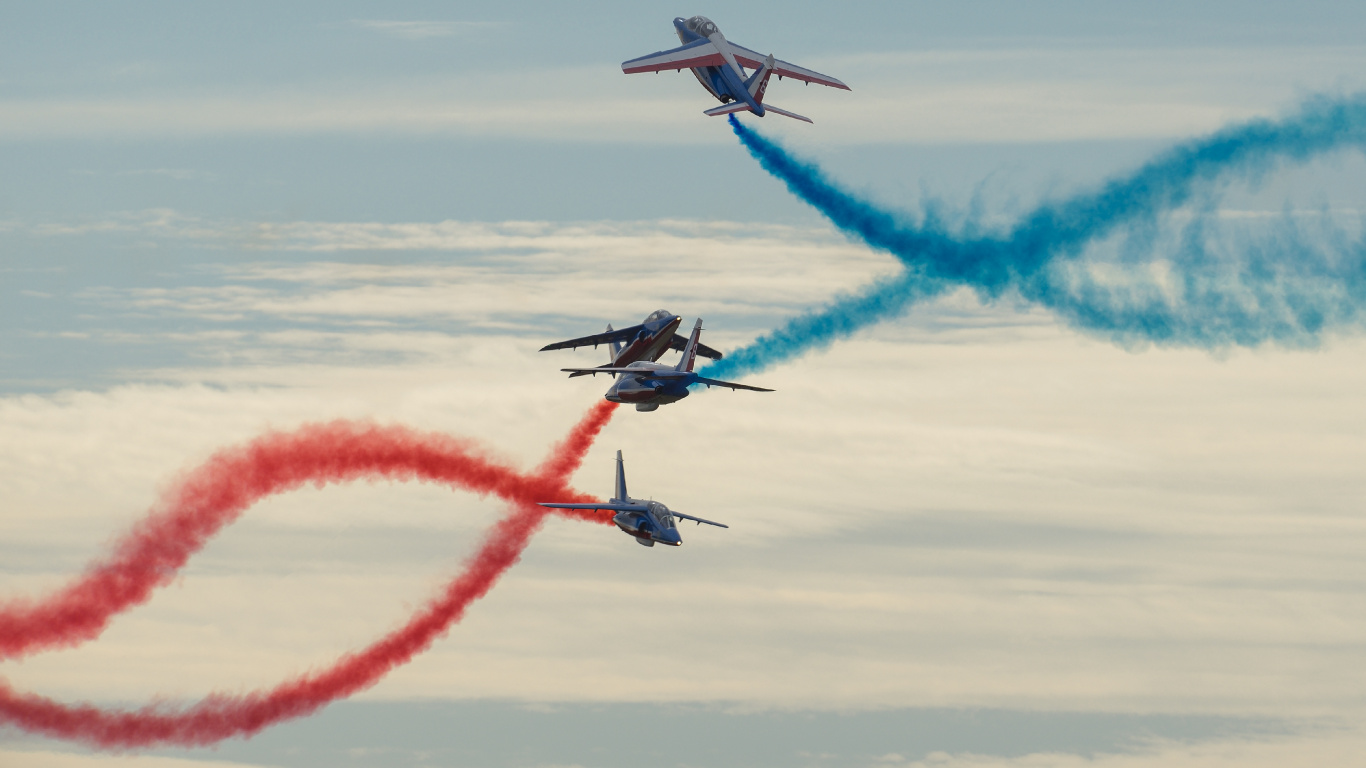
648, 521
719, 66
650, 385
647, 341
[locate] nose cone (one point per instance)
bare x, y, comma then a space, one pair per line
670, 536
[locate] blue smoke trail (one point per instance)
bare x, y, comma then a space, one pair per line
1208, 294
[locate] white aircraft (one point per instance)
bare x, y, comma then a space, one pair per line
719, 66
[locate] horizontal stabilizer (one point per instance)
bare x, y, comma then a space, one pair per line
729, 384
726, 109
785, 113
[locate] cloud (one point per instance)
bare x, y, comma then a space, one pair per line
1340, 748
975, 95
962, 520
509, 275
179, 174
43, 759
421, 30
967, 506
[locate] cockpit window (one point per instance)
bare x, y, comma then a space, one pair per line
663, 513
658, 314
702, 26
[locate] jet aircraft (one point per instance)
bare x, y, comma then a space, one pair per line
647, 341
647, 521
649, 385
719, 66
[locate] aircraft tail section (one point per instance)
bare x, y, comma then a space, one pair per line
690, 351
758, 82
726, 109
756, 85
740, 106
620, 488
615, 346
614, 351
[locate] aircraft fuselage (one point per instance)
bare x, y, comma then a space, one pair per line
646, 521
656, 525
726, 81
652, 341
640, 389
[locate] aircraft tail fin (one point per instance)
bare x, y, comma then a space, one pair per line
758, 82
690, 351
615, 347
615, 350
620, 488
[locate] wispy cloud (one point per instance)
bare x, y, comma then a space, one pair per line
505, 274
934, 97
41, 759
990, 517
421, 30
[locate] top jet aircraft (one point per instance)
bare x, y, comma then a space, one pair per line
719, 66
647, 521
647, 341
650, 385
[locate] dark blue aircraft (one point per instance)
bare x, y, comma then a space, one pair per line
649, 385
647, 341
719, 66
648, 521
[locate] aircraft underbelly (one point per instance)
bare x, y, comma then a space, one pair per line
657, 349
708, 76
631, 395
640, 536
636, 396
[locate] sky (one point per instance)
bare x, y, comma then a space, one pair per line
973, 534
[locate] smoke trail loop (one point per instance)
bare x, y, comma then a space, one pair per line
1288, 288
214, 495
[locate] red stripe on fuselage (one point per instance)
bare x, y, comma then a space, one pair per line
650, 348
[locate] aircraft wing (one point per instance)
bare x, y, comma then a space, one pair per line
649, 373
699, 53
697, 519
617, 507
623, 334
755, 60
730, 384
679, 342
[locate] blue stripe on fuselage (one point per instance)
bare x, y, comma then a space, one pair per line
738, 91
721, 81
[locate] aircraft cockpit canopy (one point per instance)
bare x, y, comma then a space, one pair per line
659, 314
701, 25
662, 511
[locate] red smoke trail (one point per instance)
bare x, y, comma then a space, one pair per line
214, 495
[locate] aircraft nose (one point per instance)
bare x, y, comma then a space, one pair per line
670, 536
